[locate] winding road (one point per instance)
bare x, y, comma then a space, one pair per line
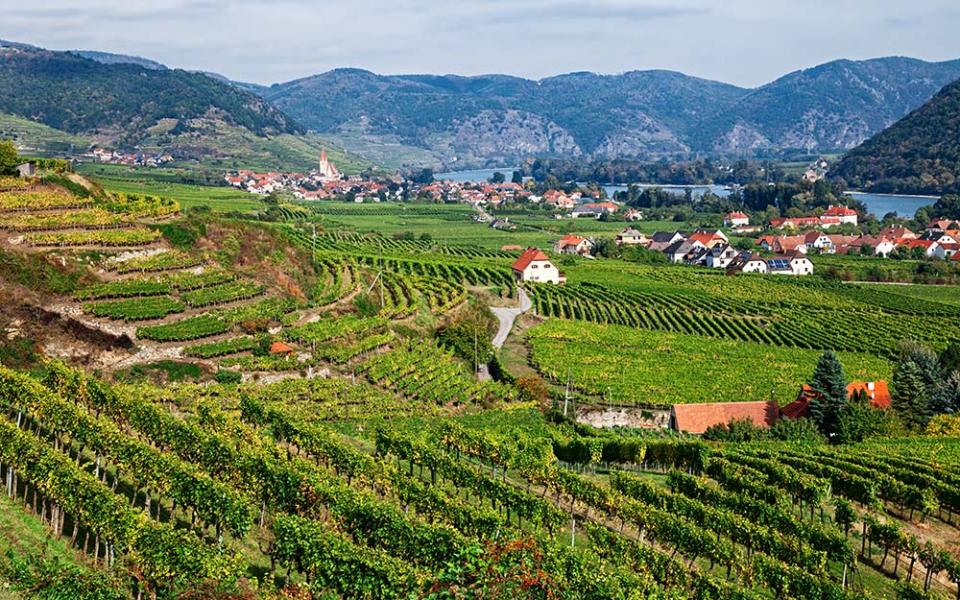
507, 315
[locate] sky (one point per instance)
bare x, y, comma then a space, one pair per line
744, 42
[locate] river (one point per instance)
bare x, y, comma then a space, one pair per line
878, 204
881, 204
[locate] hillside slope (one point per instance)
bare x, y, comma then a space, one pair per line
919, 154
123, 101
497, 119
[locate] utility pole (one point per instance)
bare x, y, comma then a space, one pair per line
476, 363
314, 244
566, 394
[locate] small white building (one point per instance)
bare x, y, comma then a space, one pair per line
533, 265
720, 257
736, 219
631, 237
573, 244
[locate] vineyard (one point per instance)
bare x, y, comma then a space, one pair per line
175, 486
641, 366
51, 217
848, 319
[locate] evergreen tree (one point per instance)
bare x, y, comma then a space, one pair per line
830, 386
950, 357
946, 398
926, 360
910, 397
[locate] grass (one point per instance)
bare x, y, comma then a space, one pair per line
945, 294
164, 182
40, 273
533, 229
36, 138
652, 367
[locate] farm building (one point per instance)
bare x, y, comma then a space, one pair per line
573, 244
534, 265
876, 392
697, 418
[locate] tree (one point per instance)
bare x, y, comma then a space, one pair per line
795, 430
844, 514
517, 177
498, 177
946, 397
927, 361
945, 425
950, 357
533, 389
859, 420
829, 385
9, 157
910, 399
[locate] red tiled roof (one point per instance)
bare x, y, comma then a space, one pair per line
696, 418
736, 215
280, 348
839, 211
879, 397
529, 255
570, 240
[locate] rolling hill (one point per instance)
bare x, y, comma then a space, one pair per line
498, 119
919, 154
63, 102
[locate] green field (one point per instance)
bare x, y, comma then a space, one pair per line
946, 294
39, 139
637, 366
452, 224
164, 182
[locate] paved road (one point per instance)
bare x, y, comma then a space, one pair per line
507, 316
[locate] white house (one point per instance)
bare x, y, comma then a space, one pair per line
678, 251
534, 265
631, 237
839, 214
736, 219
800, 264
945, 251
720, 257
573, 244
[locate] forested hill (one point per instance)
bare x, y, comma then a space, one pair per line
123, 101
920, 154
498, 119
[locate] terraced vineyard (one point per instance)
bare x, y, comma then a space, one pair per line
51, 217
650, 367
422, 371
843, 319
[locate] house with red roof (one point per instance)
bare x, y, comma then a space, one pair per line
708, 237
877, 393
929, 246
946, 251
736, 219
838, 214
533, 265
697, 418
795, 222
573, 244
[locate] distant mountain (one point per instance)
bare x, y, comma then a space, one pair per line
499, 119
919, 154
109, 58
125, 103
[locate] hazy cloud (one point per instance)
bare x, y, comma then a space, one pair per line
747, 42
